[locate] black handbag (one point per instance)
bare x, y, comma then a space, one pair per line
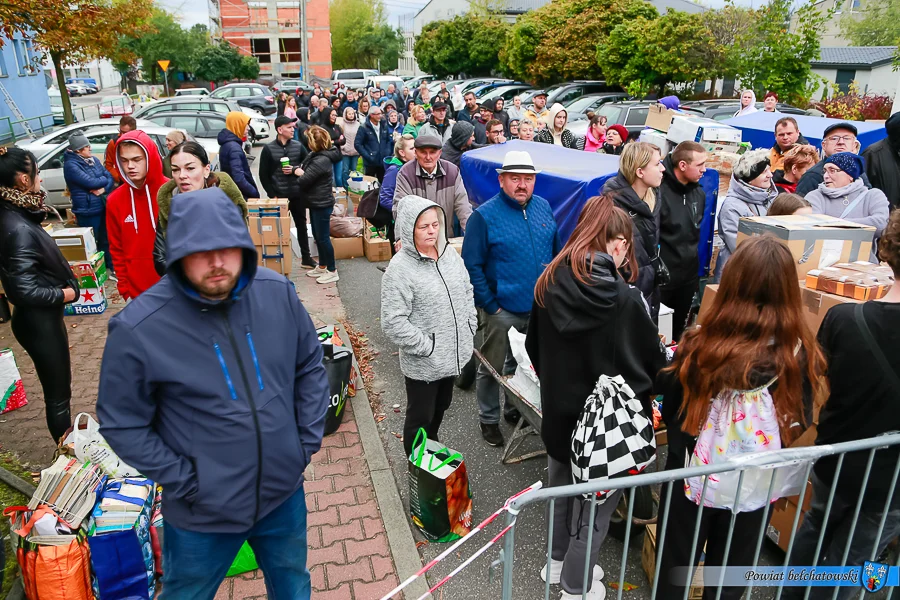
368, 204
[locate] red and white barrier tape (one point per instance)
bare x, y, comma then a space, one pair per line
535, 486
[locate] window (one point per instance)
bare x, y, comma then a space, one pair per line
259, 47
855, 5
217, 107
187, 106
290, 50
568, 95
844, 78
211, 127
187, 123
30, 58
637, 116
242, 92
223, 93
21, 56
64, 135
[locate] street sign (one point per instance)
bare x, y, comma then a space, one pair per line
163, 64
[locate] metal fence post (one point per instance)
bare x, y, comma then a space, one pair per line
509, 545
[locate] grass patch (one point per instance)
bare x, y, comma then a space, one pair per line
10, 497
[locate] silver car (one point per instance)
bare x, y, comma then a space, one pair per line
46, 143
51, 163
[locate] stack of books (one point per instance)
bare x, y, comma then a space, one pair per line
69, 487
121, 504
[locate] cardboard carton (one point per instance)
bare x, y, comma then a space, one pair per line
269, 221
816, 305
658, 139
277, 258
707, 132
709, 296
781, 527
659, 117
347, 247
456, 243
76, 243
816, 241
91, 275
865, 285
648, 561
375, 247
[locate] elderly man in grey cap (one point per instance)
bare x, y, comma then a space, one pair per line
89, 182
438, 180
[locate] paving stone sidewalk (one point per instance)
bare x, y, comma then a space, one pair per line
349, 557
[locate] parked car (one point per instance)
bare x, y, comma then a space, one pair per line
384, 81
570, 90
507, 92
259, 125
77, 89
352, 78
630, 113
414, 82
51, 163
486, 88
88, 82
291, 86
48, 142
578, 107
200, 124
56, 106
191, 92
251, 95
117, 106
722, 110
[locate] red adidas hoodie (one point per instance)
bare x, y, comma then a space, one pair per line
131, 214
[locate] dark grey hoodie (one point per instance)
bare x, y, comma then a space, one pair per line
459, 135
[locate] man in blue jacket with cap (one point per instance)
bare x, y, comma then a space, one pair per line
212, 385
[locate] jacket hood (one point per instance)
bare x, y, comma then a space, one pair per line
626, 195
670, 102
226, 136
669, 165
236, 122
551, 118
325, 117
575, 307
751, 194
206, 220
392, 160
461, 133
70, 156
750, 109
411, 208
303, 114
155, 176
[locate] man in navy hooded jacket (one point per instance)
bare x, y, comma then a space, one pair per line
212, 385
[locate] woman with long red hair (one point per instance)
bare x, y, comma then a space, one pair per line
753, 342
587, 321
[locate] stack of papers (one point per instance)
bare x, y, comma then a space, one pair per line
121, 504
69, 487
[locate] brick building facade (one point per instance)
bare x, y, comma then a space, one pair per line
270, 31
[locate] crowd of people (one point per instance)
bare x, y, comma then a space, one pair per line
184, 262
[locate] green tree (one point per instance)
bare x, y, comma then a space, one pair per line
75, 31
725, 25
222, 61
558, 41
466, 44
774, 58
658, 51
879, 25
167, 41
361, 37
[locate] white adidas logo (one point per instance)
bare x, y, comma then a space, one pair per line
129, 219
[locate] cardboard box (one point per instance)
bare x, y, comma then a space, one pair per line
860, 281
659, 117
91, 275
76, 243
295, 242
277, 258
704, 131
781, 526
709, 296
658, 139
375, 247
816, 305
648, 561
456, 243
816, 241
348, 247
272, 228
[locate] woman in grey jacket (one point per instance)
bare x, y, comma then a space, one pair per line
750, 194
428, 310
845, 195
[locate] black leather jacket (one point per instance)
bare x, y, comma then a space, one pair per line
32, 267
316, 181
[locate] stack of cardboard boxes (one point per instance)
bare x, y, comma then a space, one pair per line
376, 246
89, 266
270, 230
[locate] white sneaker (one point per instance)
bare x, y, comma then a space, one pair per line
317, 272
556, 567
328, 277
598, 592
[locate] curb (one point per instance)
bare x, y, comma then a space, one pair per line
396, 522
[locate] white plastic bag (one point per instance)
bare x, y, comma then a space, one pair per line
525, 380
90, 445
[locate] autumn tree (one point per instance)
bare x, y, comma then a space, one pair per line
75, 31
466, 44
361, 36
726, 25
559, 40
166, 40
655, 52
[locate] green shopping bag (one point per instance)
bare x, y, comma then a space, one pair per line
244, 562
440, 501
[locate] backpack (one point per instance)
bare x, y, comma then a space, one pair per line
613, 437
740, 423
368, 204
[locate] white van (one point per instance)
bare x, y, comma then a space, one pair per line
352, 78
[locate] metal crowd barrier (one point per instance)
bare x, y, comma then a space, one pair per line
674, 478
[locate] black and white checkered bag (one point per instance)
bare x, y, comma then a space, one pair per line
613, 437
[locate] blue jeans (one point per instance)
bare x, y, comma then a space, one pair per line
196, 563
98, 224
348, 164
338, 169
320, 220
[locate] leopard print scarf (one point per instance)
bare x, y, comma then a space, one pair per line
27, 200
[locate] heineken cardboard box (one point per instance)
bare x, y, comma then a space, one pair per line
76, 243
816, 241
91, 275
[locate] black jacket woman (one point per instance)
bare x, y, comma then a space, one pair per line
633, 190
315, 177
38, 282
587, 321
329, 124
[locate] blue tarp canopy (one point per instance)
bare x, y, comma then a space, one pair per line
759, 129
567, 179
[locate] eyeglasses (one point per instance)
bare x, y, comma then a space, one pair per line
841, 138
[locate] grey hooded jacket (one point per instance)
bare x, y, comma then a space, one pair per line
742, 200
427, 306
861, 205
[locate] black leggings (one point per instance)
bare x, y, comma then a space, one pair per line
426, 403
42, 333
